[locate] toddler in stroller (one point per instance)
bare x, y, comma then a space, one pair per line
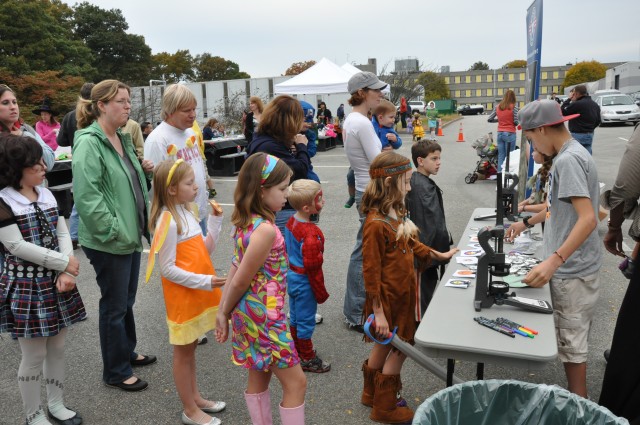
487, 165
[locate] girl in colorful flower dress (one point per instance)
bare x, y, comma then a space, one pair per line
189, 282
38, 294
254, 295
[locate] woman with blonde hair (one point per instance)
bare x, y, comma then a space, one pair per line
507, 117
256, 107
111, 199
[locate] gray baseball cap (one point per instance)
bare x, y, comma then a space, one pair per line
364, 80
542, 113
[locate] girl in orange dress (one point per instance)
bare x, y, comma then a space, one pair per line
190, 285
389, 244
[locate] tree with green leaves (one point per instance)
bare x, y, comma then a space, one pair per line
35, 36
299, 67
479, 66
175, 67
215, 68
116, 54
518, 63
584, 72
434, 85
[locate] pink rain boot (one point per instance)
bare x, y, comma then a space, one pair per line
292, 416
259, 406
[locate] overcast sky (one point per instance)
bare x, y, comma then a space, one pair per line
266, 37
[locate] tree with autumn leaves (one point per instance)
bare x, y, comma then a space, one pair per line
299, 67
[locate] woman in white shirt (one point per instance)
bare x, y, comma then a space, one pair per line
362, 145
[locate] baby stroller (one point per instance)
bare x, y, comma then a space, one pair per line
487, 165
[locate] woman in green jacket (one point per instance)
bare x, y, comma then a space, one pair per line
111, 199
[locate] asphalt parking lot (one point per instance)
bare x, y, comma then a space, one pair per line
332, 398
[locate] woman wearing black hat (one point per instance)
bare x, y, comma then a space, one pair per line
47, 127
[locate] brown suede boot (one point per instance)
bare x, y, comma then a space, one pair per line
385, 408
369, 387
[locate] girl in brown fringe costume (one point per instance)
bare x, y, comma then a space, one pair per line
388, 248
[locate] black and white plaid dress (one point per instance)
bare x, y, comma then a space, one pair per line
30, 304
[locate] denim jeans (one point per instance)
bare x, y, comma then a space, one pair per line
117, 277
355, 295
505, 137
585, 139
74, 220
282, 217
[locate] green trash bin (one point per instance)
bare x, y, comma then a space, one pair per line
511, 402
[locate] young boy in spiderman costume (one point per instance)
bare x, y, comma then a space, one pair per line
305, 280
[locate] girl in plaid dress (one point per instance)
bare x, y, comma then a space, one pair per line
38, 294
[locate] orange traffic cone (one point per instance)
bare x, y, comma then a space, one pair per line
460, 135
440, 133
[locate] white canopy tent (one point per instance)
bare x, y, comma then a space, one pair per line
325, 77
323, 82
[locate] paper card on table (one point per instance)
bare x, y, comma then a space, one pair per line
515, 281
475, 246
473, 238
458, 283
464, 273
471, 253
467, 260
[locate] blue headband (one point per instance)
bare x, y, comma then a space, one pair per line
269, 164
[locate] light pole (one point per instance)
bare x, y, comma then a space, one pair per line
162, 82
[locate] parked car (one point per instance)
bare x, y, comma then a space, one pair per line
618, 108
417, 106
471, 109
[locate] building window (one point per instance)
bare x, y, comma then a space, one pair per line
522, 76
544, 89
500, 91
489, 92
556, 75
467, 79
446, 80
478, 78
544, 75
457, 94
512, 77
521, 105
489, 78
489, 106
521, 91
500, 77
478, 92
467, 93
457, 79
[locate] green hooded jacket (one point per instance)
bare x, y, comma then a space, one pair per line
104, 195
